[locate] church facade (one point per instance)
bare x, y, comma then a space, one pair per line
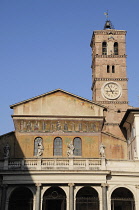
70, 153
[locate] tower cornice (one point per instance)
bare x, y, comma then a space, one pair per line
113, 102
111, 79
110, 56
110, 31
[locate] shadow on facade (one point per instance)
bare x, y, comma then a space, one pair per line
15, 192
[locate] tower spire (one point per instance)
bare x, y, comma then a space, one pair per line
108, 23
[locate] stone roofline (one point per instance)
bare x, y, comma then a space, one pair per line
54, 91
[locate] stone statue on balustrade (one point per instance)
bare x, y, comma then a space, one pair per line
102, 150
40, 149
70, 150
6, 150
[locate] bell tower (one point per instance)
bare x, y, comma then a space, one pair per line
109, 80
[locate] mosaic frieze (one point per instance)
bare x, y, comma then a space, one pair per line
56, 125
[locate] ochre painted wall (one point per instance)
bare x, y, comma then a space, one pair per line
90, 145
22, 145
115, 148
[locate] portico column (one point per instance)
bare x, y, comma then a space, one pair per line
136, 198
3, 199
38, 196
71, 196
104, 196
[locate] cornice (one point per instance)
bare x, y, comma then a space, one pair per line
55, 116
111, 124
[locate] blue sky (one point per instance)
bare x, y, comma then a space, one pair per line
45, 45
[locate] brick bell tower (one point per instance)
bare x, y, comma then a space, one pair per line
109, 80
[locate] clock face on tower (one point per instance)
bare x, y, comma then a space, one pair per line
111, 90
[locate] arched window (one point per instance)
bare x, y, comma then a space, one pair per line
57, 146
116, 48
38, 145
77, 146
104, 48
108, 69
113, 69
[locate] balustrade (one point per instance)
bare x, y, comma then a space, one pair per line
54, 164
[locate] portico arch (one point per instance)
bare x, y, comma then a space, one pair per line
87, 198
122, 199
21, 198
54, 198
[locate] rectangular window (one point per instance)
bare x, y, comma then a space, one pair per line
108, 69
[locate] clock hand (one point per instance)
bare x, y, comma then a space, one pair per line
110, 89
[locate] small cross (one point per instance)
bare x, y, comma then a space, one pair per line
106, 13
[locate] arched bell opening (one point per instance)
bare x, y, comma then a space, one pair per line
21, 199
122, 199
87, 199
116, 48
54, 199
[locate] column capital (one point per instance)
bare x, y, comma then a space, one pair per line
71, 184
137, 186
38, 184
104, 185
4, 186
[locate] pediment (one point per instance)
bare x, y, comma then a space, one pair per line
57, 103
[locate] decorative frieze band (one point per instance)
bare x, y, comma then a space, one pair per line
111, 79
113, 102
114, 32
110, 56
56, 125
